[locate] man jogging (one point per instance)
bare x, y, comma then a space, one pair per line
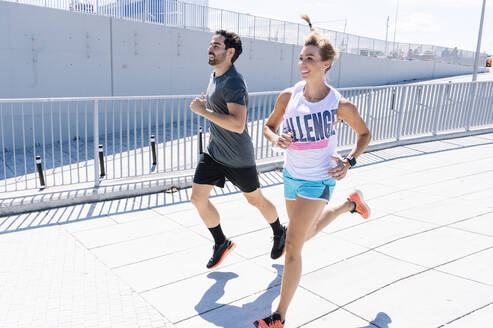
230, 151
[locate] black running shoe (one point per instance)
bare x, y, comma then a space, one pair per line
219, 253
272, 321
279, 248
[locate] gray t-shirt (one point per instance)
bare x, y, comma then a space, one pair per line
227, 147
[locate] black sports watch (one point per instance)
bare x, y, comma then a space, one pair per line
351, 160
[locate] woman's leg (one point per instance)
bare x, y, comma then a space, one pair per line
328, 215
301, 217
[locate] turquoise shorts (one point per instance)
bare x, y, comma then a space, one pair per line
319, 189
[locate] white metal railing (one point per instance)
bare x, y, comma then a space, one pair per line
193, 16
62, 131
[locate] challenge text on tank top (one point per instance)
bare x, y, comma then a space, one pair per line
313, 128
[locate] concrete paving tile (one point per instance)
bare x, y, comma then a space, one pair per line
429, 299
402, 200
148, 247
432, 146
483, 198
135, 215
396, 152
344, 319
242, 313
374, 190
445, 212
467, 141
126, 231
346, 281
175, 208
185, 218
348, 220
373, 233
44, 218
321, 251
482, 223
167, 269
210, 291
254, 244
481, 318
89, 224
53, 281
476, 267
416, 179
454, 188
436, 247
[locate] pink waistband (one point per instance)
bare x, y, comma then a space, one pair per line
309, 145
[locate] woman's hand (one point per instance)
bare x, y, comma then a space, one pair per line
340, 171
284, 140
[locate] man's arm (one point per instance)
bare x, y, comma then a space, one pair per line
234, 121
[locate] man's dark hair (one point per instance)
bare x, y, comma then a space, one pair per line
231, 40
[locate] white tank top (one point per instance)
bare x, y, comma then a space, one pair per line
313, 126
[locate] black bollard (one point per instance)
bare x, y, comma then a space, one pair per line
40, 172
102, 173
201, 150
153, 149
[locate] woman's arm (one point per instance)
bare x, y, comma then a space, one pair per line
348, 112
275, 119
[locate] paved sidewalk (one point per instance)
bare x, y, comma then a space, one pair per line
424, 258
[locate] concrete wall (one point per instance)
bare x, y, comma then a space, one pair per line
53, 53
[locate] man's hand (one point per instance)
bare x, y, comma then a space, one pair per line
198, 105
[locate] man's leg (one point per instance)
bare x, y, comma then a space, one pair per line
210, 216
269, 211
200, 199
265, 206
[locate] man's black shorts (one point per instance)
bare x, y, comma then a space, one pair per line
210, 172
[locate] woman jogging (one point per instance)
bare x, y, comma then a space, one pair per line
310, 112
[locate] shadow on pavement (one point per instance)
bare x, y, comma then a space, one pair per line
232, 316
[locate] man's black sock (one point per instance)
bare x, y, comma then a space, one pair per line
276, 227
217, 234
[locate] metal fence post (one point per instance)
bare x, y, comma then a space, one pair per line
298, 35
438, 115
102, 171
96, 142
474, 95
238, 23
40, 172
201, 144
254, 26
284, 33
153, 149
400, 115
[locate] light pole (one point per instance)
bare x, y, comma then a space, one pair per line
387, 35
395, 23
478, 47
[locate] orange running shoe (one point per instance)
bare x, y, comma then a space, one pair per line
272, 321
360, 206
219, 253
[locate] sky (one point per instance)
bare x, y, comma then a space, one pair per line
446, 23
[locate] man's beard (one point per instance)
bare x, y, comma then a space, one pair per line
216, 60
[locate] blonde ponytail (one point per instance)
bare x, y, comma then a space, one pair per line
307, 19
